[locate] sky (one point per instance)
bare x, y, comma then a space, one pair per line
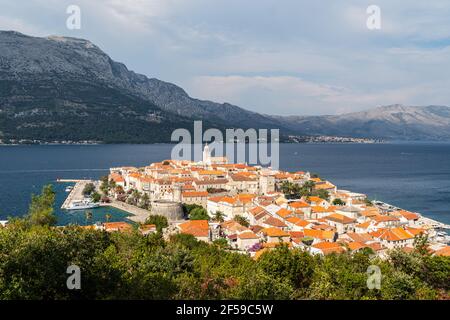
286, 57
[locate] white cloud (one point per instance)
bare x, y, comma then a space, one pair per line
291, 95
291, 56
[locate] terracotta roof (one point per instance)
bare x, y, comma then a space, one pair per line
298, 204
256, 210
415, 231
211, 172
256, 228
117, 226
239, 177
284, 212
360, 237
233, 226
354, 246
211, 181
315, 199
196, 194
407, 215
329, 247
274, 222
443, 252
375, 246
116, 177
392, 234
324, 186
247, 235
319, 234
336, 217
384, 218
296, 234
363, 225
318, 209
275, 232
198, 228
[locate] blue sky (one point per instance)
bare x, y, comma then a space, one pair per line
276, 57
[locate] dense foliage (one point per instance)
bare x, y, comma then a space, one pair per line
195, 212
34, 257
159, 221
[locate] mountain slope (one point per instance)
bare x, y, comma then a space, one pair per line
65, 88
395, 122
60, 88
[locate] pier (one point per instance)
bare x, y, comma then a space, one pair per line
77, 192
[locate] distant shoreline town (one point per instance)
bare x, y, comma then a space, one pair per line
253, 209
331, 139
288, 139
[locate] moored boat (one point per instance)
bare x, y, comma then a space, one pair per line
82, 205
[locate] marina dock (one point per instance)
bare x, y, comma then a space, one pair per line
137, 214
77, 192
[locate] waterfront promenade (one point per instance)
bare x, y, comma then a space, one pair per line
138, 215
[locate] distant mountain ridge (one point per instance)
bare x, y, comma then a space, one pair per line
396, 122
62, 88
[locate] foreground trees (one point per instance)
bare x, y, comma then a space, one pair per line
34, 260
34, 257
41, 208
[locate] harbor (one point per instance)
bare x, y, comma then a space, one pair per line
76, 196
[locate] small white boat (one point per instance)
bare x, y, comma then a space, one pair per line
82, 205
69, 189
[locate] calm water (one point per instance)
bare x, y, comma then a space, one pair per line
413, 176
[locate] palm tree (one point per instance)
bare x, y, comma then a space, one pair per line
145, 201
88, 215
219, 216
108, 217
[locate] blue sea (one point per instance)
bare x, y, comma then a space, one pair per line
414, 176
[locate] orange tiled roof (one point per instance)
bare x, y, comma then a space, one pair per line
247, 235
275, 232
315, 199
336, 217
443, 252
329, 247
384, 218
296, 234
363, 225
117, 226
393, 234
284, 212
195, 194
407, 215
211, 173
356, 245
318, 209
271, 221
360, 237
319, 234
116, 177
298, 204
256, 210
197, 228
324, 186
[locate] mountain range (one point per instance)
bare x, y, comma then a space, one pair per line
61, 88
